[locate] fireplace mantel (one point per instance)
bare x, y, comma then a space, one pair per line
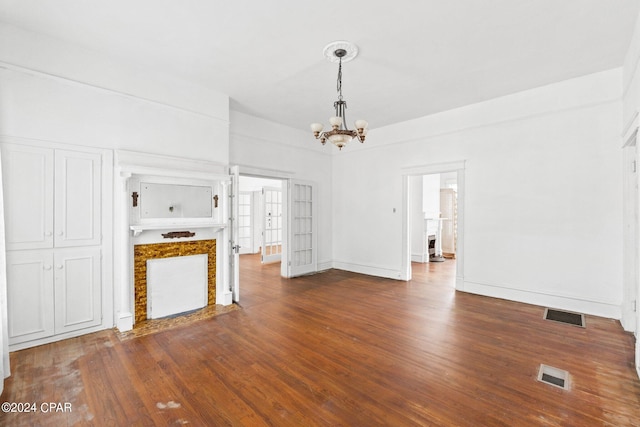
139, 228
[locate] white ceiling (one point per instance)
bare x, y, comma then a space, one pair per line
417, 57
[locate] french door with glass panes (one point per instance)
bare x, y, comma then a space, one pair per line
272, 225
245, 228
302, 208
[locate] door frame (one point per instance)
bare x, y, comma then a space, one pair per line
430, 169
631, 248
234, 255
631, 253
285, 177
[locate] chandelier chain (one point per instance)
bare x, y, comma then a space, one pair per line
339, 83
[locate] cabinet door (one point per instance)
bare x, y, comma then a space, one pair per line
28, 196
77, 204
30, 295
78, 298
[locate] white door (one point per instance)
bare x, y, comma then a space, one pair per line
28, 196
30, 295
449, 215
245, 222
234, 249
77, 289
272, 225
301, 249
77, 198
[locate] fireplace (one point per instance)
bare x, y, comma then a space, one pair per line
145, 252
169, 207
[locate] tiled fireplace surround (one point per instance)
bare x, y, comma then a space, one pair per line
144, 252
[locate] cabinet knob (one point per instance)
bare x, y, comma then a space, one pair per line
59, 266
60, 233
48, 233
47, 267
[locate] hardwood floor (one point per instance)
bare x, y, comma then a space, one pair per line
339, 348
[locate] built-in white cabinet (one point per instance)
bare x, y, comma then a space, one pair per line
30, 297
52, 200
77, 288
52, 292
77, 199
52, 197
28, 196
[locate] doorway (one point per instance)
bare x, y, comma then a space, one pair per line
260, 226
433, 223
433, 217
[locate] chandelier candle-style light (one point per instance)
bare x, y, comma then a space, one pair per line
340, 135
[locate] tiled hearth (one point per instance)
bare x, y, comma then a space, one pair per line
149, 327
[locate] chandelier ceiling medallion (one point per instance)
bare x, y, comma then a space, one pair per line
340, 135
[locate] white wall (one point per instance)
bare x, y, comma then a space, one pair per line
73, 62
542, 193
39, 107
53, 91
279, 151
252, 183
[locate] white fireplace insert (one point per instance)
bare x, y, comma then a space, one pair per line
176, 285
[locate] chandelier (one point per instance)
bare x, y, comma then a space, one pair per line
339, 134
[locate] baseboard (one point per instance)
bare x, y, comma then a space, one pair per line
226, 298
125, 322
596, 308
368, 270
421, 258
324, 265
54, 338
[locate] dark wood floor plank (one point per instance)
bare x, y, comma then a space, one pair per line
339, 348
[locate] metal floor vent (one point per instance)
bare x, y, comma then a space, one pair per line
575, 319
554, 376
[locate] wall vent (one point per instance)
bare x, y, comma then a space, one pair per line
554, 376
575, 319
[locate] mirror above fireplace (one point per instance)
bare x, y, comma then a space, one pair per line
175, 201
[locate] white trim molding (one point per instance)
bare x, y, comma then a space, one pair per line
606, 309
433, 168
368, 270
